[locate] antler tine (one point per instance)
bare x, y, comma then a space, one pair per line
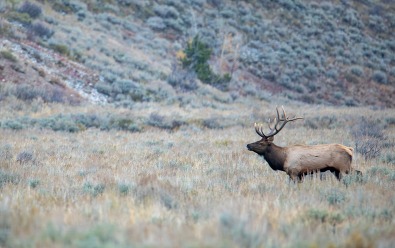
279, 123
278, 115
259, 130
269, 122
280, 119
295, 118
285, 116
270, 127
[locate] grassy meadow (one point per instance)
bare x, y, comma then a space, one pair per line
158, 157
193, 184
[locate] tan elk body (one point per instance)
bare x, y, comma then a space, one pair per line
300, 160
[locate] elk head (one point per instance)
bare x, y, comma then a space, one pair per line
260, 147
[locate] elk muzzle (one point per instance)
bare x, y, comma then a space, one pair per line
257, 147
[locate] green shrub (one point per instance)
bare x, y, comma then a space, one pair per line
317, 214
41, 30
125, 85
104, 88
377, 24
33, 183
379, 77
94, 190
357, 70
22, 18
165, 11
156, 23
79, 122
27, 92
350, 77
391, 177
12, 124
196, 58
8, 56
352, 178
196, 53
6, 178
5, 29
335, 197
125, 124
160, 121
332, 73
310, 72
102, 235
31, 9
62, 8
62, 49
376, 171
389, 158
123, 189
60, 123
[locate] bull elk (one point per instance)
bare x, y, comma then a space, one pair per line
300, 160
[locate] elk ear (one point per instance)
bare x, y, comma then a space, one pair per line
270, 139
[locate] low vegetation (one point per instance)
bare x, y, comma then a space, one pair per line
166, 175
300, 49
195, 57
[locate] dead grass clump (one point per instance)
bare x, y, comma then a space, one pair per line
359, 240
369, 138
320, 122
164, 122
25, 157
238, 231
150, 188
94, 189
8, 178
335, 197
6, 153
5, 227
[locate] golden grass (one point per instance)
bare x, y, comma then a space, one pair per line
190, 187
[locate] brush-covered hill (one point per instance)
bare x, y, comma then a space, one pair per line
127, 51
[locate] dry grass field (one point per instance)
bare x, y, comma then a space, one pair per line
192, 186
158, 157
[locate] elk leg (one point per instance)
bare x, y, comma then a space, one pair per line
336, 173
294, 178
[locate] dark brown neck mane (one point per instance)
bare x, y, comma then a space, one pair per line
275, 157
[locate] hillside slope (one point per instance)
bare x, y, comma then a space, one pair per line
332, 52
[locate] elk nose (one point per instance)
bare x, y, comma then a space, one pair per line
249, 147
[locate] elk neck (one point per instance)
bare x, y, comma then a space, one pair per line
275, 156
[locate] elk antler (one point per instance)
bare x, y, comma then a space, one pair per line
273, 131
